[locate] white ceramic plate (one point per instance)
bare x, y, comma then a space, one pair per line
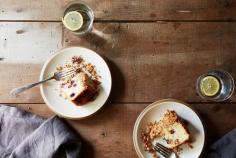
155, 112
50, 90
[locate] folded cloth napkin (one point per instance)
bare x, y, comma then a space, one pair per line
224, 147
25, 135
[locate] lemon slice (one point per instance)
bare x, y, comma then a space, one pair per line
209, 86
73, 20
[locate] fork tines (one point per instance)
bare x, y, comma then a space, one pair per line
163, 150
67, 69
66, 72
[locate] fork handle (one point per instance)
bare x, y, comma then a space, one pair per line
18, 90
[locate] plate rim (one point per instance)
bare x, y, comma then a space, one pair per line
158, 102
41, 86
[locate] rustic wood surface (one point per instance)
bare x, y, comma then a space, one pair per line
155, 50
148, 10
148, 61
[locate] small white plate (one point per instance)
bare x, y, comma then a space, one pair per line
50, 89
155, 112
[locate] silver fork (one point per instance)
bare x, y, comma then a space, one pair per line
164, 151
57, 76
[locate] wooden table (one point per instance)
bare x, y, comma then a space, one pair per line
155, 48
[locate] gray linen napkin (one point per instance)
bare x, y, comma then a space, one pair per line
224, 147
25, 135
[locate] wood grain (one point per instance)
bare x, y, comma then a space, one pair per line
112, 137
162, 60
148, 61
123, 10
38, 109
29, 42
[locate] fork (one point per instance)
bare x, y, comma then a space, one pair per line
164, 151
57, 76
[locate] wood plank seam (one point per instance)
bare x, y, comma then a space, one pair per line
125, 21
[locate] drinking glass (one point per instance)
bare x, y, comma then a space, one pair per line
83, 10
225, 85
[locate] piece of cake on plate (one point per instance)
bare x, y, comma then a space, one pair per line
169, 128
78, 88
174, 131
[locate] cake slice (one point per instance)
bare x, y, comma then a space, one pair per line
79, 88
174, 131
169, 128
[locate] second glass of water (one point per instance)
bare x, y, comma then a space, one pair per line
216, 85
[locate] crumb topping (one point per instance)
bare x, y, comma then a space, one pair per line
156, 130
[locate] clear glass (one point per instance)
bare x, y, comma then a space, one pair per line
85, 11
226, 82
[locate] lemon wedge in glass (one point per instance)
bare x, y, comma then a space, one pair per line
209, 86
73, 20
